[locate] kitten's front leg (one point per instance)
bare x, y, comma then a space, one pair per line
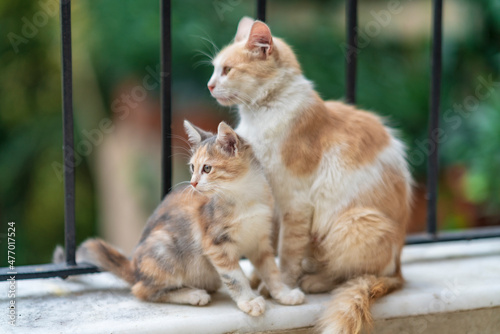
263, 261
294, 240
226, 261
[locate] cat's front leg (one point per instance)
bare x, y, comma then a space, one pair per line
239, 288
226, 261
294, 240
263, 261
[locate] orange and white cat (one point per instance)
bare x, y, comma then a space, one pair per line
338, 174
195, 238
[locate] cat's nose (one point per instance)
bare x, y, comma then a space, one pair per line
194, 184
211, 87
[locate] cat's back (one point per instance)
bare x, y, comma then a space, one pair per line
360, 135
176, 214
324, 128
364, 165
342, 151
170, 249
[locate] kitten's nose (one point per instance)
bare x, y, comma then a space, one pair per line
211, 87
194, 184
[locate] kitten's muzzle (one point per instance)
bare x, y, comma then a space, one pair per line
194, 184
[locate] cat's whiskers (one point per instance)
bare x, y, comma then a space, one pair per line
200, 53
181, 154
248, 102
178, 184
239, 97
191, 192
183, 190
215, 49
187, 151
202, 62
219, 189
210, 187
181, 138
182, 150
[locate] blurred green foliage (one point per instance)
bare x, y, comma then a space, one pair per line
120, 39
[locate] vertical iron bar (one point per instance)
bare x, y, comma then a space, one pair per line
433, 163
68, 144
166, 96
261, 10
352, 51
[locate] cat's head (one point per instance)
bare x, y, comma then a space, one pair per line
251, 67
218, 160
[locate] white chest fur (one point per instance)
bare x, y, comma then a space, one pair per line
267, 127
254, 222
253, 210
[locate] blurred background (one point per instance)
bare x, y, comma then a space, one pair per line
116, 102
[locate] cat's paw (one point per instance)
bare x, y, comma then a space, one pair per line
198, 298
291, 297
253, 307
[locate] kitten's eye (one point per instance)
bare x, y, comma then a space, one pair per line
226, 70
191, 168
207, 169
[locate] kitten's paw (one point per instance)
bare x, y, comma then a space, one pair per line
291, 297
198, 297
253, 307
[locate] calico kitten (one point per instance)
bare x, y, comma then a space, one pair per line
197, 235
338, 174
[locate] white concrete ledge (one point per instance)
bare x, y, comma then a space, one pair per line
455, 286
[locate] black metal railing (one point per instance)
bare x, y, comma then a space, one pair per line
435, 97
351, 12
166, 97
71, 268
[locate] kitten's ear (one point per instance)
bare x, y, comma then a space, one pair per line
260, 39
227, 138
195, 134
243, 29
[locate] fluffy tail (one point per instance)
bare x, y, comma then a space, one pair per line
349, 310
103, 256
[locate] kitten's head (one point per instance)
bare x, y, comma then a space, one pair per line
253, 66
217, 160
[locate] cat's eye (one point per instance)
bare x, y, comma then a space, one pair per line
207, 169
191, 168
226, 70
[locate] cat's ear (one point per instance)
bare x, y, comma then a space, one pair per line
195, 134
227, 139
243, 29
260, 39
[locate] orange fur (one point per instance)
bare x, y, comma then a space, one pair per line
349, 310
111, 259
326, 124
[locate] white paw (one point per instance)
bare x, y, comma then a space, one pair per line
198, 297
291, 297
254, 307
